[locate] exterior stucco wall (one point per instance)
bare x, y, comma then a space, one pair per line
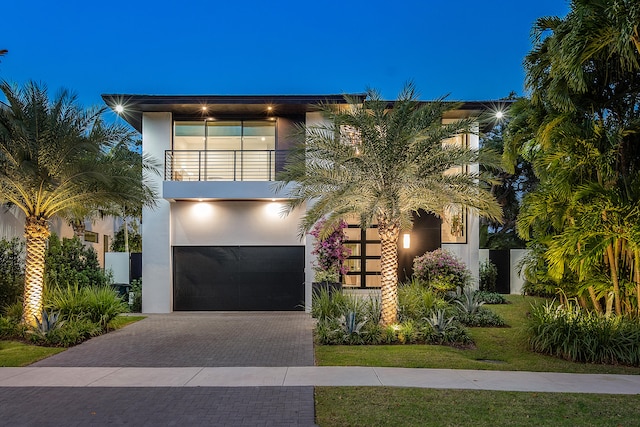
469, 252
156, 231
234, 223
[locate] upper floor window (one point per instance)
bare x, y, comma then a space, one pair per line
225, 135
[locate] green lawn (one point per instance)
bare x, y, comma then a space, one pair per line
395, 407
496, 349
16, 354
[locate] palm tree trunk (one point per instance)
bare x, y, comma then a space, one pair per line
594, 300
614, 279
126, 235
36, 233
389, 232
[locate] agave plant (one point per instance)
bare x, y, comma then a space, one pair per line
439, 322
349, 324
468, 302
47, 323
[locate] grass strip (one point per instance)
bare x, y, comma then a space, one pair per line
392, 406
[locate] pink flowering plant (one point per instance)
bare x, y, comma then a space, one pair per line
330, 251
441, 270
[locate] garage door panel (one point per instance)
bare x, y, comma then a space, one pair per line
238, 278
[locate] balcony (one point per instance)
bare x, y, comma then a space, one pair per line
223, 165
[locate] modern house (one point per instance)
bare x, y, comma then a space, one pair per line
217, 239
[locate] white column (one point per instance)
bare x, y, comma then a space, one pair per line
157, 287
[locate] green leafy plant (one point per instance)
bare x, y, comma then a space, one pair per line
349, 323
73, 332
68, 262
416, 301
491, 297
483, 317
136, 290
48, 322
327, 305
467, 301
11, 270
488, 276
569, 332
99, 304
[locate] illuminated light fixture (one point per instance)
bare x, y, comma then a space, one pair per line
269, 108
204, 108
499, 115
199, 200
406, 240
263, 138
273, 200
119, 108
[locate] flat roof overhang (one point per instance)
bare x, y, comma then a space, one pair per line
199, 107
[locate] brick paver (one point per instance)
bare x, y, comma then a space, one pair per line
200, 339
178, 340
176, 406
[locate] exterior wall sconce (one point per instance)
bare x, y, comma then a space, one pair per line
406, 240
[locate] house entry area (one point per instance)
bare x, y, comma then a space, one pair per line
238, 278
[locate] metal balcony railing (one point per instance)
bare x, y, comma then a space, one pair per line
223, 165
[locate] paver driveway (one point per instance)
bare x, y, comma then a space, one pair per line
200, 339
178, 340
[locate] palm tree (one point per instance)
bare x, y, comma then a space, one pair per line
52, 158
383, 162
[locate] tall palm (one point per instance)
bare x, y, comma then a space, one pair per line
382, 163
52, 155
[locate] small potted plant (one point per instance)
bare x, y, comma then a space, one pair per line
330, 252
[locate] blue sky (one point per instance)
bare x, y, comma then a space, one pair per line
472, 50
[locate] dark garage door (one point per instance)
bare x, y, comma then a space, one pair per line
210, 278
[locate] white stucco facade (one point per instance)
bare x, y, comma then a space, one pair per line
156, 222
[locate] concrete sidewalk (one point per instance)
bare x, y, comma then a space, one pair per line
301, 376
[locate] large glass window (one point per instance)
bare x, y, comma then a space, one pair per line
223, 150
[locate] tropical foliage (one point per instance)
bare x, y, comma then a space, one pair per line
381, 165
569, 332
70, 262
55, 159
11, 270
581, 132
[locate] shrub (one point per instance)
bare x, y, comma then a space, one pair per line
72, 332
483, 317
327, 305
416, 302
14, 311
11, 270
8, 327
488, 276
441, 270
98, 304
491, 297
70, 263
441, 329
568, 332
136, 289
